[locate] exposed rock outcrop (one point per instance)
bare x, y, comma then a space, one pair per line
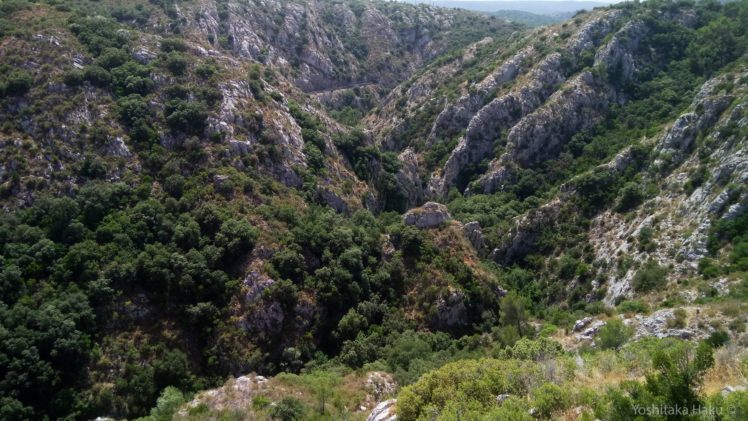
709, 104
521, 238
430, 215
385, 411
451, 311
618, 54
408, 181
458, 115
236, 393
530, 130
474, 234
299, 34
540, 135
684, 219
491, 120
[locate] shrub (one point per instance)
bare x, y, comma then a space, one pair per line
99, 33
236, 236
548, 330
532, 349
288, 409
631, 195
205, 70
261, 402
679, 319
173, 44
718, 338
132, 77
314, 157
171, 370
187, 117
73, 78
645, 239
174, 185
737, 325
112, 57
469, 381
649, 277
210, 95
549, 398
707, 268
614, 334
132, 108
634, 306
97, 76
176, 63
512, 312
18, 83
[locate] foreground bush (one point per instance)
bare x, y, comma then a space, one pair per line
473, 382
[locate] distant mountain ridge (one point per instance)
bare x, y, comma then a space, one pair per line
536, 7
531, 19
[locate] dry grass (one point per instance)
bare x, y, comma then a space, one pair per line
234, 399
728, 369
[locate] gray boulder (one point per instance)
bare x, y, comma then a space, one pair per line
384, 411
474, 234
430, 215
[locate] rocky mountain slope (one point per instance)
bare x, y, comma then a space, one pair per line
196, 190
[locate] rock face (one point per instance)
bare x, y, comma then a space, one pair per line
581, 324
430, 215
451, 312
532, 123
314, 37
656, 325
236, 393
459, 114
539, 136
682, 220
589, 333
385, 411
474, 234
494, 118
618, 55
710, 103
381, 383
520, 240
408, 182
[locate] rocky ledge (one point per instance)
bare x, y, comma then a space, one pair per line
430, 215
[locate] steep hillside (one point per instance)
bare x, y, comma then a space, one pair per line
334, 203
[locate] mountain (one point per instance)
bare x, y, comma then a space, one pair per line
551, 7
531, 19
306, 209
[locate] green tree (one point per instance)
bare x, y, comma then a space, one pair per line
322, 384
678, 376
187, 117
167, 404
132, 108
512, 312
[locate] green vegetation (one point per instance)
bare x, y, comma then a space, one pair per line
470, 388
148, 250
614, 334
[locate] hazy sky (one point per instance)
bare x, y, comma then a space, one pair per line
513, 1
